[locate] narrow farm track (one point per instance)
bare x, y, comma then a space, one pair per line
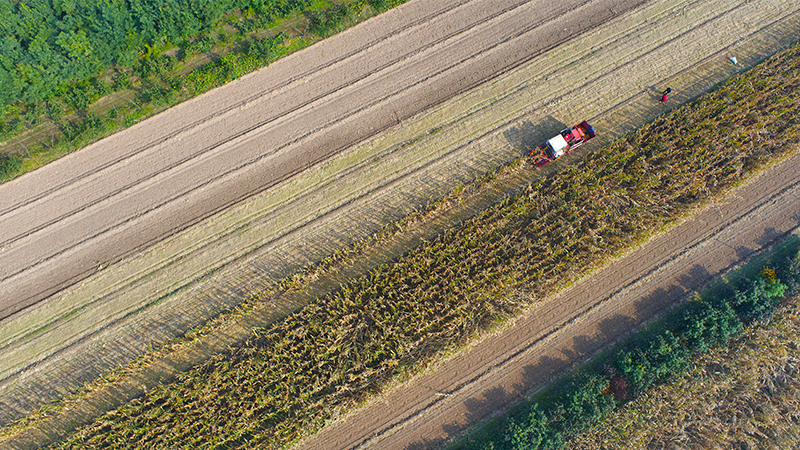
490, 77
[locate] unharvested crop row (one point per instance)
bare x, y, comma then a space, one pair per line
292, 376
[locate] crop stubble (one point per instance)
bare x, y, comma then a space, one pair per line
160, 275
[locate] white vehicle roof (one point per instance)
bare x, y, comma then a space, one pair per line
558, 144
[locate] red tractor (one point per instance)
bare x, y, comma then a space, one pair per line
565, 142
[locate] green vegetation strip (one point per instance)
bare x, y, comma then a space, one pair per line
57, 59
651, 356
291, 377
744, 395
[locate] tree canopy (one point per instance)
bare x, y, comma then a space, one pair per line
47, 46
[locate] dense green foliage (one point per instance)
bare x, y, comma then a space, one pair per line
651, 356
59, 48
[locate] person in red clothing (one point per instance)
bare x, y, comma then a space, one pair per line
664, 95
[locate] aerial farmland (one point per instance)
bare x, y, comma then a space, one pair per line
326, 231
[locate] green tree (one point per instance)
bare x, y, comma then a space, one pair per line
759, 300
529, 433
707, 323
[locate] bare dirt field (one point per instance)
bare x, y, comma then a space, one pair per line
435, 93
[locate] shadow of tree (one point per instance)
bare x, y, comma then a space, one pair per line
771, 235
497, 399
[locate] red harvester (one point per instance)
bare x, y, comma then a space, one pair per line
565, 142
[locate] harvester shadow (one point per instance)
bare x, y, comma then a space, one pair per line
528, 135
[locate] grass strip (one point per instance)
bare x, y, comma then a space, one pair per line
291, 377
652, 356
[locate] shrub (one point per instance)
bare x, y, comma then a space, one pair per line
528, 433
707, 323
326, 21
791, 275
585, 399
652, 360
378, 5
758, 302
9, 165
264, 49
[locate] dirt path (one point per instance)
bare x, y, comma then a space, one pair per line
577, 323
597, 68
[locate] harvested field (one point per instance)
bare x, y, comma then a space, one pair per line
234, 135
348, 345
